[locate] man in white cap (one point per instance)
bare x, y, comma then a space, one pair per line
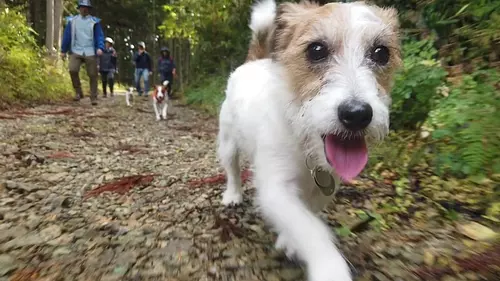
143, 68
107, 66
83, 38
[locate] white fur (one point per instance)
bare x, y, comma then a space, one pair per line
163, 104
128, 96
263, 14
253, 121
262, 118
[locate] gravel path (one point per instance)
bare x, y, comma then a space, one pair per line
159, 223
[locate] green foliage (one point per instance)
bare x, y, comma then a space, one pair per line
343, 231
24, 73
415, 90
468, 29
467, 126
217, 30
474, 24
208, 94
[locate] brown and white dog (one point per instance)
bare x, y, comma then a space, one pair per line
312, 94
160, 98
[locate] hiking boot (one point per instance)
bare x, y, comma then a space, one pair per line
77, 98
105, 95
93, 102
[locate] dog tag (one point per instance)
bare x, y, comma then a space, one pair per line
324, 181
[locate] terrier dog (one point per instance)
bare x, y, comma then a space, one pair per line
160, 97
313, 92
129, 96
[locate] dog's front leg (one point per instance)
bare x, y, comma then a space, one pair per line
127, 98
165, 107
300, 230
155, 106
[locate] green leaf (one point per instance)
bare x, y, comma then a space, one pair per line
343, 231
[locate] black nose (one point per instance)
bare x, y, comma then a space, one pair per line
355, 115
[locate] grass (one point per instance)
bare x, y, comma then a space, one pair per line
208, 94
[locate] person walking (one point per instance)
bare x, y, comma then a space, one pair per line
107, 67
143, 68
83, 38
166, 67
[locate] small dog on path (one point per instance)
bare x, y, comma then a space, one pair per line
129, 96
312, 94
160, 98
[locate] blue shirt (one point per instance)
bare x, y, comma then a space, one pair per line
83, 43
69, 35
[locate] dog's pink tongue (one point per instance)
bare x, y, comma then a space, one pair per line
347, 156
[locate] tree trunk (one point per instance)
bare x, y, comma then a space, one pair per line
35, 17
49, 37
58, 13
178, 49
187, 62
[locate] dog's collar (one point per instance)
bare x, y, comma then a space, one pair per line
323, 180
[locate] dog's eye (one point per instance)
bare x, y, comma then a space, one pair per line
317, 51
380, 55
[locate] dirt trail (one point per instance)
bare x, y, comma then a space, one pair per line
109, 193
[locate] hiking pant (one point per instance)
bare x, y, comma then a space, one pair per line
75, 61
144, 73
107, 77
167, 76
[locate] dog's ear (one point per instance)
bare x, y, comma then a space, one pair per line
288, 17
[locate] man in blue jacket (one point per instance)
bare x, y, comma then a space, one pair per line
83, 38
143, 68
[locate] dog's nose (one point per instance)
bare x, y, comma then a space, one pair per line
355, 115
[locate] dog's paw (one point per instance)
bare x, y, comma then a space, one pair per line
158, 118
231, 197
283, 244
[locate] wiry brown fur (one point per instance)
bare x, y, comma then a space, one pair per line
296, 25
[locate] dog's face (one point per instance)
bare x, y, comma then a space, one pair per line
339, 60
160, 92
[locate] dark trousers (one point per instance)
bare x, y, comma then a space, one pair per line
75, 61
107, 77
167, 76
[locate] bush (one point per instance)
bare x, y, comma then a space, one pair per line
26, 76
466, 125
415, 89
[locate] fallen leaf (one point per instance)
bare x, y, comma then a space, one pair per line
61, 154
429, 258
121, 186
477, 231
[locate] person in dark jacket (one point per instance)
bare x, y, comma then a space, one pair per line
143, 68
166, 67
83, 39
107, 67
